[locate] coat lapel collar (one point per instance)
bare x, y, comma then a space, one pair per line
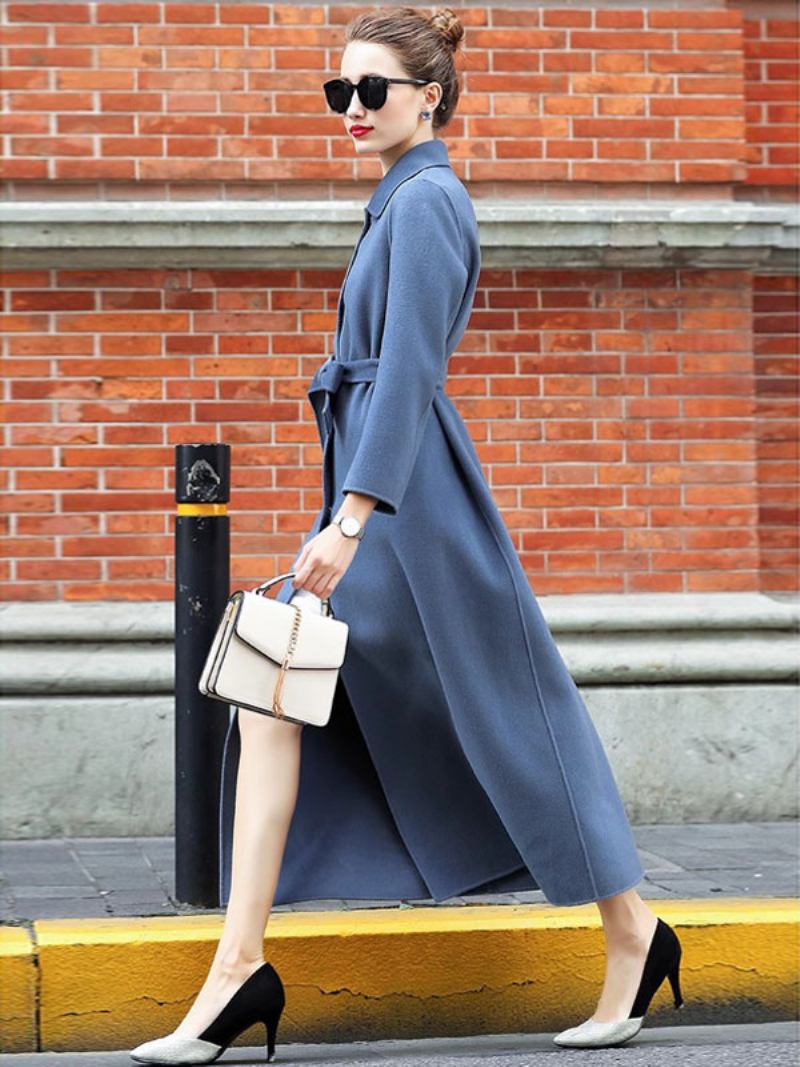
420, 156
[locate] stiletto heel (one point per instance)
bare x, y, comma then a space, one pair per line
663, 961
272, 1032
675, 980
271, 1024
261, 998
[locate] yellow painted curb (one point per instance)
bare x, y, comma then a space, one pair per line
410, 972
18, 998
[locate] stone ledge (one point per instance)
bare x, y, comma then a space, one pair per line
321, 233
122, 647
122, 620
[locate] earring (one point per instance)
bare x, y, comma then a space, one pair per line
425, 114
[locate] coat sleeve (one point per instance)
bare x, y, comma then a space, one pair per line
427, 280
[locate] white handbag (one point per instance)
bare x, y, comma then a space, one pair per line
274, 657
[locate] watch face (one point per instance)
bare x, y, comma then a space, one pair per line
350, 525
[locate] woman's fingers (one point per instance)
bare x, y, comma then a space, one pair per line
317, 582
325, 585
319, 567
313, 573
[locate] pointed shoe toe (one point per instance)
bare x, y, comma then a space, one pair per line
260, 999
173, 1050
592, 1034
662, 961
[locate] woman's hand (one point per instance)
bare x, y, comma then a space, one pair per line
324, 560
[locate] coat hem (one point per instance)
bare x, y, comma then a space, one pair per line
521, 866
437, 897
594, 899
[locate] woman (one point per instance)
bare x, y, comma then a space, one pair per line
452, 685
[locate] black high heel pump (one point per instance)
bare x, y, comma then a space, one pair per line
663, 961
260, 998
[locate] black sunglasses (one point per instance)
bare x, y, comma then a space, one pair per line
371, 91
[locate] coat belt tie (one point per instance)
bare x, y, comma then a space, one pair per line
325, 383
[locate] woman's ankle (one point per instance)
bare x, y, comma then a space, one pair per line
630, 926
639, 935
232, 963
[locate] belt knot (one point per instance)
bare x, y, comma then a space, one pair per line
325, 383
328, 377
333, 372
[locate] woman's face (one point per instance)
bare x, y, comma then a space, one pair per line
397, 125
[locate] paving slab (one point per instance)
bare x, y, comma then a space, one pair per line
77, 876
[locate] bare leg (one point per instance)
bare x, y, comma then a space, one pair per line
628, 925
266, 793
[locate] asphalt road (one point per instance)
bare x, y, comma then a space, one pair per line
745, 1045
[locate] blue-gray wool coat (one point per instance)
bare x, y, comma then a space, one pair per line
460, 756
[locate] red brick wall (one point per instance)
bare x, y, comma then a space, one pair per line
161, 92
776, 314
612, 410
772, 67
635, 426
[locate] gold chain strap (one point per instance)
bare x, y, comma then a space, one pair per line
276, 696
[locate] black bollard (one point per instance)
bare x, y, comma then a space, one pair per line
202, 583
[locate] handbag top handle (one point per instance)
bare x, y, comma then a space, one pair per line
326, 604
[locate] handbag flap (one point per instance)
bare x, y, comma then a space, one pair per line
266, 625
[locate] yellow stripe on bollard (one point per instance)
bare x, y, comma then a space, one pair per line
202, 509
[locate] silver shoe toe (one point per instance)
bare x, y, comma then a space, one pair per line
175, 1050
592, 1034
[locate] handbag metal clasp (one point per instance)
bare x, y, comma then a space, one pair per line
287, 659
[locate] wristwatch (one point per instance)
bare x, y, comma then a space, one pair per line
350, 526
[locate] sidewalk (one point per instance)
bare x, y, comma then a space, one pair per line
96, 954
89, 877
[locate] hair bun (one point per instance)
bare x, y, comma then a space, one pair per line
447, 22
